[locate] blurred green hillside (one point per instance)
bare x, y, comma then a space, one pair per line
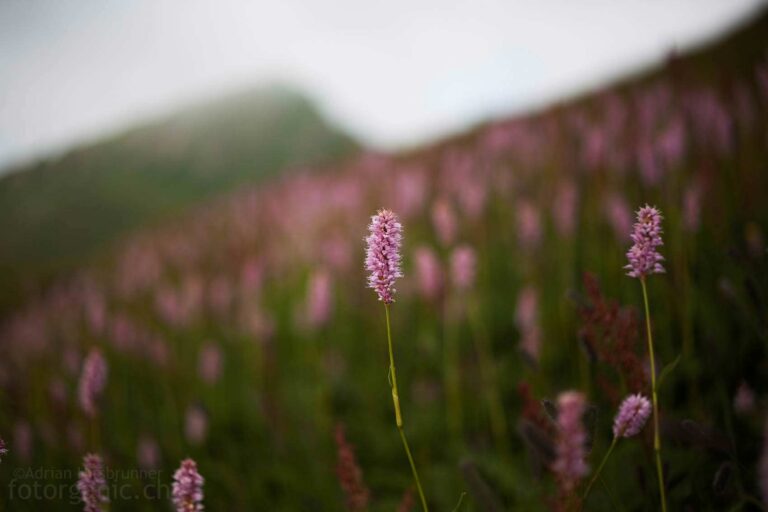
57, 213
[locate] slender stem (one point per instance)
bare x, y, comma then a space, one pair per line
320, 399
488, 376
600, 468
452, 377
656, 438
461, 499
95, 431
611, 498
413, 469
392, 373
398, 415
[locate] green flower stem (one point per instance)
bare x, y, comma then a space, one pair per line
94, 428
489, 380
656, 438
600, 468
614, 504
452, 378
398, 414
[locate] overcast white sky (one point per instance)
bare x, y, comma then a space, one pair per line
392, 72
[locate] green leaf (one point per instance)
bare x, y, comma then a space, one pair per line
667, 370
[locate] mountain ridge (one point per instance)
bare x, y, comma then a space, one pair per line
59, 211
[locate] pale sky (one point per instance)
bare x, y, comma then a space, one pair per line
393, 73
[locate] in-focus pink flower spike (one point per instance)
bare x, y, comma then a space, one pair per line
92, 484
188, 487
632, 416
93, 380
633, 413
644, 258
382, 260
382, 257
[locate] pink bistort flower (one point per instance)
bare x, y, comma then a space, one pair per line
564, 208
643, 257
148, 453
444, 221
319, 298
632, 416
528, 224
570, 461
210, 362
744, 400
429, 275
188, 487
195, 424
92, 484
382, 258
463, 267
93, 379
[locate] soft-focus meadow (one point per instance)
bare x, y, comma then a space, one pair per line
243, 335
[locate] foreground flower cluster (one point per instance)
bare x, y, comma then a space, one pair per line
382, 256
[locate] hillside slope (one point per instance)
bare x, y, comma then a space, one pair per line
55, 214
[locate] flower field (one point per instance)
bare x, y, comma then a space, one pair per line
249, 339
